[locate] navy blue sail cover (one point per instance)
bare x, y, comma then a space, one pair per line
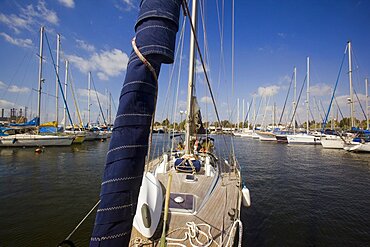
156, 30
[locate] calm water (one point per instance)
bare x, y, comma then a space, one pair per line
301, 195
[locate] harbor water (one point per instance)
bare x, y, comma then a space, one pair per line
301, 195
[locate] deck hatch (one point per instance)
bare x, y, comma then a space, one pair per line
187, 206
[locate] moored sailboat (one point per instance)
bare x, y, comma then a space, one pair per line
31, 139
197, 191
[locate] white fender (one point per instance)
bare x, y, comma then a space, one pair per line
149, 206
246, 197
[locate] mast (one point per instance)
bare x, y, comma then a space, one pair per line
40, 77
332, 117
88, 98
350, 82
308, 95
367, 103
254, 111
243, 114
189, 117
248, 114
56, 81
110, 109
232, 47
295, 96
65, 95
273, 115
238, 117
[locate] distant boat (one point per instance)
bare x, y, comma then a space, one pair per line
266, 136
359, 147
30, 139
305, 138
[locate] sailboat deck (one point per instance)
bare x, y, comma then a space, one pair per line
217, 203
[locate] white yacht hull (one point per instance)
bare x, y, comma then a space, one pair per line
303, 139
358, 147
243, 134
28, 140
333, 142
91, 136
266, 136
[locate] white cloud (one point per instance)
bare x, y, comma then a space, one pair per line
320, 90
82, 64
30, 17
14, 22
7, 104
102, 97
85, 46
102, 76
112, 63
14, 88
285, 79
45, 13
199, 67
67, 3
206, 100
268, 91
125, 5
17, 42
106, 64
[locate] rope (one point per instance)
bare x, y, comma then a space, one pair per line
192, 234
79, 224
150, 67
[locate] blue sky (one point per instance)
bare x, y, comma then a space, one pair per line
271, 37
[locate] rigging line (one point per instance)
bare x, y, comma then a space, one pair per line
322, 109
286, 99
75, 99
221, 31
362, 109
335, 88
340, 111
79, 224
249, 108
96, 93
258, 110
202, 62
60, 84
205, 41
357, 66
178, 79
203, 66
173, 66
16, 72
299, 98
318, 109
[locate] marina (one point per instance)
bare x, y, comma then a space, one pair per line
301, 194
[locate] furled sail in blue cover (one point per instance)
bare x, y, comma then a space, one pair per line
33, 122
156, 30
